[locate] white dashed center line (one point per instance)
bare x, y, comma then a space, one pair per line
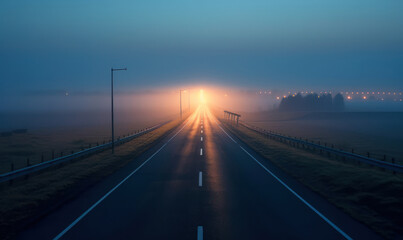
200, 179
199, 233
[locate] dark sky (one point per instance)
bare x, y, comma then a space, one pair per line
53, 46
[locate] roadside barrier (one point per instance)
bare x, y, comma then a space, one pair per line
91, 150
324, 149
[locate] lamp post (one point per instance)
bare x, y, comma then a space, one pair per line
180, 101
189, 99
113, 129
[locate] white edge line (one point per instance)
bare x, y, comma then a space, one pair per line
113, 189
226, 133
293, 192
201, 151
200, 233
300, 198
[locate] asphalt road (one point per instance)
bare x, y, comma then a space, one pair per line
198, 183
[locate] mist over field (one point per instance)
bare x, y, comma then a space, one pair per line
64, 109
70, 109
258, 100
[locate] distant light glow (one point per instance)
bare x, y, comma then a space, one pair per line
201, 96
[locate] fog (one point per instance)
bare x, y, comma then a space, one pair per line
65, 109
62, 109
256, 100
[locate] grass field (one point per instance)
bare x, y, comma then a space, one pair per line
33, 144
371, 196
379, 133
35, 196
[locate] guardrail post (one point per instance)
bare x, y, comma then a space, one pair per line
42, 158
352, 150
384, 158
61, 154
12, 166
89, 145
97, 144
368, 154
53, 154
27, 162
72, 151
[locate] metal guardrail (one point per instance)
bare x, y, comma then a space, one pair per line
371, 161
30, 169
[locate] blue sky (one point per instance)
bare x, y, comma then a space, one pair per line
71, 45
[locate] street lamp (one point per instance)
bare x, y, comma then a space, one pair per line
189, 99
180, 101
113, 130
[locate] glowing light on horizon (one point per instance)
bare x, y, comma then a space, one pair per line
201, 97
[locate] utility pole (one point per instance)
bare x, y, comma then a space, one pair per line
113, 128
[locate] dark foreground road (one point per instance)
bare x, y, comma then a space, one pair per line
198, 183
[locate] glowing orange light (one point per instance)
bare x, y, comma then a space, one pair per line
201, 96
349, 97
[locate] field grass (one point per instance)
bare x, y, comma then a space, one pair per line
377, 133
369, 195
23, 200
33, 144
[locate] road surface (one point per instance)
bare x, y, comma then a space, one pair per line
200, 182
